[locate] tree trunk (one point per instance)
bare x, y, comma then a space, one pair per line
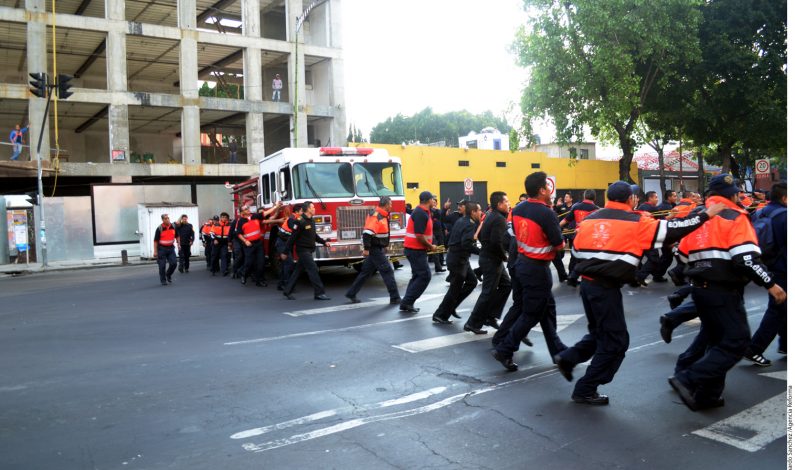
700, 156
625, 164
725, 153
661, 162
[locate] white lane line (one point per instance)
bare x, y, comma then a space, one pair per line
379, 302
355, 423
752, 429
459, 338
442, 341
329, 413
322, 332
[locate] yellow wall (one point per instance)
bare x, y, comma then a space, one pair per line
428, 166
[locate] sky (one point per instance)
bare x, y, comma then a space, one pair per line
403, 55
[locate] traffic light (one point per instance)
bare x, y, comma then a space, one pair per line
39, 84
64, 86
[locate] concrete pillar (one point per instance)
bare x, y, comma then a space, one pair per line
188, 83
37, 62
297, 89
116, 65
337, 100
252, 82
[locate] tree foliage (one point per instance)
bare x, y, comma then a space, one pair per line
427, 127
229, 90
594, 62
735, 97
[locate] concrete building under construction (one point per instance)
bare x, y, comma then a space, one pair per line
163, 92
139, 68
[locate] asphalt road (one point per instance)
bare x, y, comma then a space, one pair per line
107, 369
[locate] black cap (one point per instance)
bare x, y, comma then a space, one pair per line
426, 196
620, 191
723, 184
462, 202
215, 217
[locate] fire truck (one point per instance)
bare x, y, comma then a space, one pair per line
345, 185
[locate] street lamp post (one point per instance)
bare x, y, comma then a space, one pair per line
299, 21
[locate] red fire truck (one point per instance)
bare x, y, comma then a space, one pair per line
344, 183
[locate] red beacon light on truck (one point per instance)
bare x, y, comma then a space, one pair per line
335, 151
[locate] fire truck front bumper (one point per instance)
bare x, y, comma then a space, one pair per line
351, 252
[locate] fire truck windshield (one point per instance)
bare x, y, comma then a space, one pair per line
377, 179
323, 179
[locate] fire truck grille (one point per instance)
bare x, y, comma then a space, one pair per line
350, 222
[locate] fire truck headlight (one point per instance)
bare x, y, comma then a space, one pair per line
395, 226
323, 228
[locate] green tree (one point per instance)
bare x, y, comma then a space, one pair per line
736, 95
594, 62
427, 126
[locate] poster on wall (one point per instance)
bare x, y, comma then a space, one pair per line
118, 156
17, 230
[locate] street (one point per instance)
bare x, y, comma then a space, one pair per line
105, 368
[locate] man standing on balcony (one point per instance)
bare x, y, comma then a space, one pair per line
277, 88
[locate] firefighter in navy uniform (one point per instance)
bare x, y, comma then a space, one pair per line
572, 220
304, 238
609, 247
286, 229
235, 229
185, 237
538, 239
375, 240
165, 241
220, 254
461, 245
418, 241
723, 255
207, 241
252, 239
496, 286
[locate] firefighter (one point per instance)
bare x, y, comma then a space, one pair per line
285, 230
235, 229
654, 257
185, 235
438, 236
686, 205
722, 256
609, 247
462, 280
206, 237
165, 241
538, 239
304, 238
220, 253
496, 286
563, 208
375, 240
418, 241
252, 239
572, 220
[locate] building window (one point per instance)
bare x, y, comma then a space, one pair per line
463, 162
501, 165
413, 185
535, 165
584, 154
472, 144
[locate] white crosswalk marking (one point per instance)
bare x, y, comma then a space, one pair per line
466, 337
378, 302
752, 429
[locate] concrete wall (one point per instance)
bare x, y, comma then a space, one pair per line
428, 166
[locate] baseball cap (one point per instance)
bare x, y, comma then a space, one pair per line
620, 191
723, 184
215, 217
426, 196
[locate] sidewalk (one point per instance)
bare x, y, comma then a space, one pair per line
22, 268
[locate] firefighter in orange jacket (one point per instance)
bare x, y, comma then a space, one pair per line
609, 246
417, 244
375, 239
165, 241
219, 260
206, 237
723, 255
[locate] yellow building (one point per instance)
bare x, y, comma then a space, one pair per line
443, 170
